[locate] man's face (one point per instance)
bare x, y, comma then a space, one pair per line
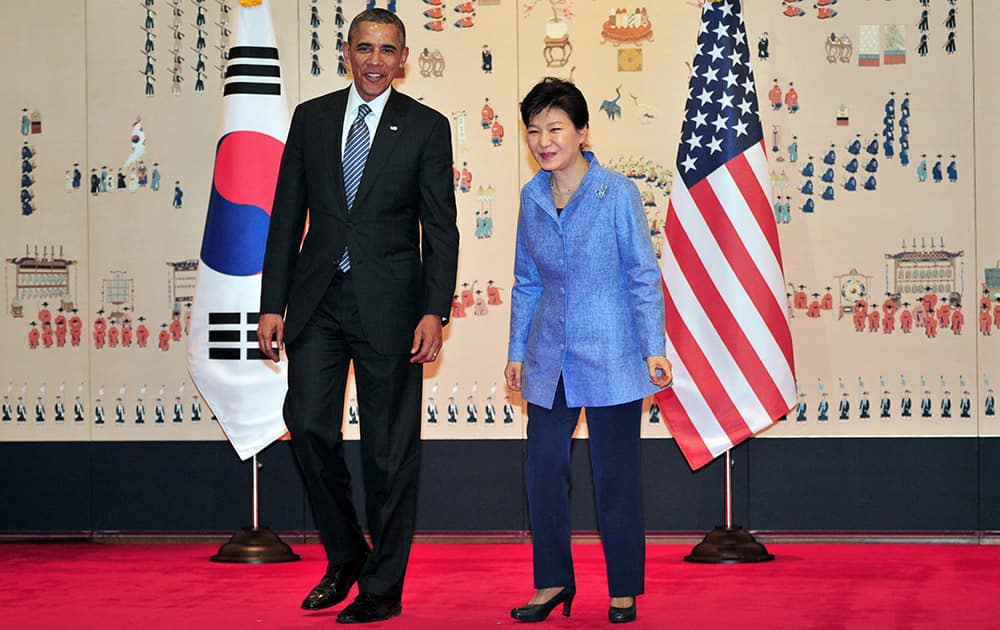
374, 53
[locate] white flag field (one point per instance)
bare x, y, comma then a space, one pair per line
244, 389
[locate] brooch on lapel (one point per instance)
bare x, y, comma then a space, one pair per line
601, 190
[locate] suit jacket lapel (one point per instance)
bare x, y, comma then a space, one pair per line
332, 129
386, 137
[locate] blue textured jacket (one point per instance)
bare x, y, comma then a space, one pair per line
587, 300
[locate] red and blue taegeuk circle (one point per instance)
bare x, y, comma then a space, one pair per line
239, 211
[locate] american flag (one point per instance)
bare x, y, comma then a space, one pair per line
723, 286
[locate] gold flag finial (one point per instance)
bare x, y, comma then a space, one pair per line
251, 3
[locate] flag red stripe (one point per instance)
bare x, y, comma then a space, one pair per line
712, 303
683, 430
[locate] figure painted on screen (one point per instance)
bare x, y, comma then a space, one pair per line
844, 407
195, 408
508, 411
906, 405
98, 411
792, 99
823, 409
801, 408
487, 56
612, 107
952, 170
496, 132
178, 195
654, 413
926, 404
59, 410
352, 411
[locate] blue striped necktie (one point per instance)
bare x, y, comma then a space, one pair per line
355, 156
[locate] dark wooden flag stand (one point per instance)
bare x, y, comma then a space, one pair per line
255, 544
729, 544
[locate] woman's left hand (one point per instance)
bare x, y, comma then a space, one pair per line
660, 371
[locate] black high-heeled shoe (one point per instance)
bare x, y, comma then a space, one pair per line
539, 612
621, 615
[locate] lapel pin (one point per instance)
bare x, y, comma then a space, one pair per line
393, 128
601, 190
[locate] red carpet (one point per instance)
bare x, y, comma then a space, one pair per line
469, 586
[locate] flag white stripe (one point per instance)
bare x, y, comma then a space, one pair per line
252, 78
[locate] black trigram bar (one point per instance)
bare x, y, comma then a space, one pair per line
255, 354
253, 318
222, 336
224, 354
239, 87
252, 70
223, 318
255, 52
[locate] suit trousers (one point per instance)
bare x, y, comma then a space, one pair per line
614, 453
389, 393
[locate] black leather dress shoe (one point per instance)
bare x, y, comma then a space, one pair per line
367, 608
334, 586
622, 615
540, 612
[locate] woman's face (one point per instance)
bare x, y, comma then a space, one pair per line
553, 140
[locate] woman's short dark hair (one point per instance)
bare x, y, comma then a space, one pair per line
379, 16
553, 92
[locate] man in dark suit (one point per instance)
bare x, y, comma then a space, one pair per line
372, 284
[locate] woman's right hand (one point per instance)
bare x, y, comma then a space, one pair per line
512, 373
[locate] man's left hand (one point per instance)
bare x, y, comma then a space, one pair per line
426, 339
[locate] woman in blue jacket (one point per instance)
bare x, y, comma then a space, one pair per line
586, 330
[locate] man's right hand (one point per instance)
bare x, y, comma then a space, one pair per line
271, 335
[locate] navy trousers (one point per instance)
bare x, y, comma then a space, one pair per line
614, 454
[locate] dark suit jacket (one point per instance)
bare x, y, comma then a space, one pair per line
401, 232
